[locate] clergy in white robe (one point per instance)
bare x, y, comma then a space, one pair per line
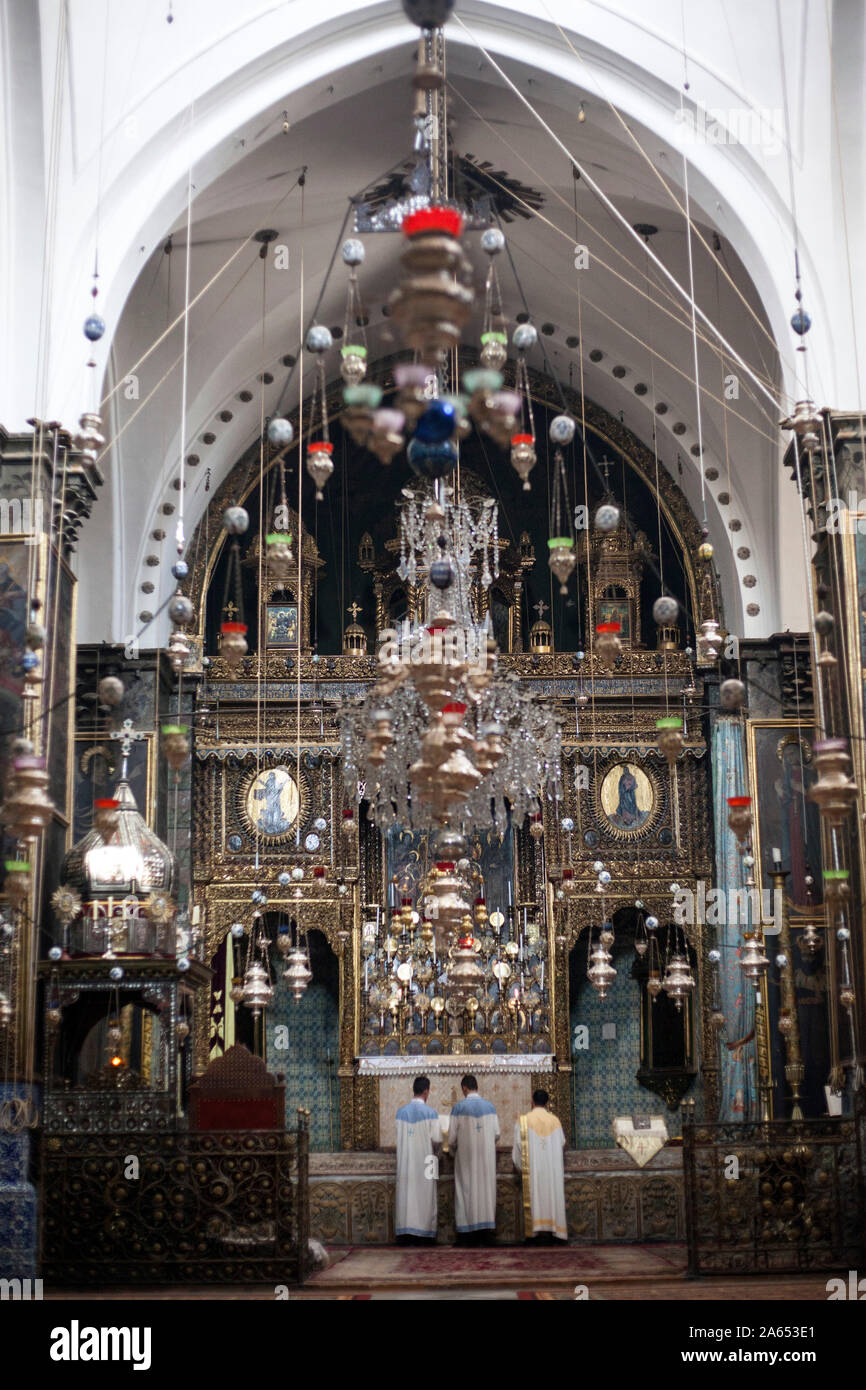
418, 1129
538, 1145
473, 1130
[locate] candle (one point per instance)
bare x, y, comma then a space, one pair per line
366, 970
509, 893
777, 858
542, 976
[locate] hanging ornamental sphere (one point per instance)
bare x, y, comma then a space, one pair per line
319, 464
523, 457
824, 623
493, 241
319, 339
29, 661
237, 930
181, 610
280, 432
236, 520
562, 429
110, 691
801, 322
665, 610
116, 973
651, 923
597, 866
525, 336
732, 693
705, 550
714, 956
607, 517
567, 824
284, 879
180, 569
604, 877
94, 327
442, 572
437, 423
353, 252
428, 14
432, 460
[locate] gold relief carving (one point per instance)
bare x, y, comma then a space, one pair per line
366, 1112
582, 1208
372, 1213
329, 1213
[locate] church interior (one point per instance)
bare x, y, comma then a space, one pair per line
433, 561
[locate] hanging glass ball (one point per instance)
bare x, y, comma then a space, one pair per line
714, 956
801, 322
280, 432
567, 824
55, 953
29, 661
638, 904
580, 656
182, 963
438, 422
843, 934
180, 569
320, 824
607, 517
732, 694
94, 327
257, 896
237, 930
781, 960
651, 923
297, 873
319, 339
116, 972
428, 14
284, 879
432, 460
442, 572
749, 860
604, 876
674, 887
824, 623
598, 866
110, 691
353, 252
705, 550
562, 429
665, 610
181, 610
525, 337
236, 520
493, 241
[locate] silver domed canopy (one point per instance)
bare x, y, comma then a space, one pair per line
130, 859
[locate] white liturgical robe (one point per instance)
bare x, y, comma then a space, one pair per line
537, 1153
472, 1134
418, 1129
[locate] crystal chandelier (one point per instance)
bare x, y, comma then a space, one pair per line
442, 733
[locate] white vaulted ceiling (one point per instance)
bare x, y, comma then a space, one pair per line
144, 100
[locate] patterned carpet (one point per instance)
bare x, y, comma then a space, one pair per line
501, 1267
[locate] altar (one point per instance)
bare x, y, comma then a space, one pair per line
506, 1081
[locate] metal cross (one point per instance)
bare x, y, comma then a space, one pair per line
540, 608
354, 609
230, 610
127, 736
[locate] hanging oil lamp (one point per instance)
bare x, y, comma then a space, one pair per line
740, 818
601, 973
562, 558
834, 792
608, 644
753, 962
669, 737
678, 982
523, 450
175, 744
